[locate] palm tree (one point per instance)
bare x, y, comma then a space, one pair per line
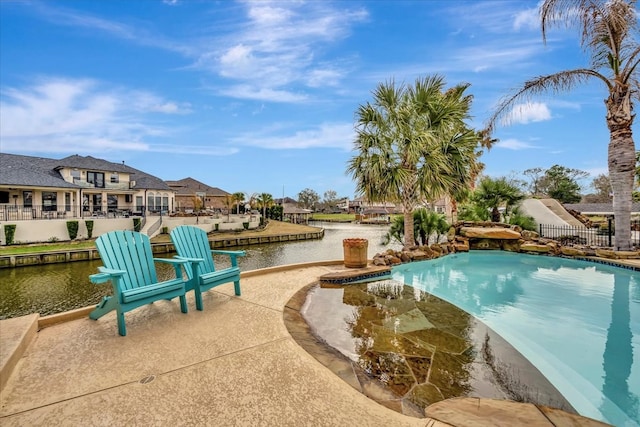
264, 200
425, 224
607, 28
495, 193
238, 198
413, 145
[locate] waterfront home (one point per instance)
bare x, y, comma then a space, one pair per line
77, 187
193, 195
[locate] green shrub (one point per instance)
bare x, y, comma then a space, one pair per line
52, 239
216, 226
165, 230
245, 225
136, 224
72, 228
89, 224
9, 233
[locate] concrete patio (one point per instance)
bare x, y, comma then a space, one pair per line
233, 364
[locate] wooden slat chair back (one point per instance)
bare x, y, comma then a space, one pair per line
192, 244
130, 267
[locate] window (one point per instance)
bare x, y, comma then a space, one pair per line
139, 205
115, 178
27, 199
150, 202
49, 201
165, 203
96, 178
112, 202
67, 202
97, 202
4, 197
75, 175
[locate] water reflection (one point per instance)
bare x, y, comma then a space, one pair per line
492, 287
55, 288
618, 357
422, 348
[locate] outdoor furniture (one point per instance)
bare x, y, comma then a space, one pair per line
192, 244
129, 265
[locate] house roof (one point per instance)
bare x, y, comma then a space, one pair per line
287, 209
88, 162
29, 171
189, 186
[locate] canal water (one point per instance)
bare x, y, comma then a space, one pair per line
54, 288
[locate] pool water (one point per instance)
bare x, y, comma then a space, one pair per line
578, 322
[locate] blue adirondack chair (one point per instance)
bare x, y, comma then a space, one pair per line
192, 244
129, 265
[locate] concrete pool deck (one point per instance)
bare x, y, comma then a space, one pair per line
233, 364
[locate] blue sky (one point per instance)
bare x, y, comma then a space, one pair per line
259, 96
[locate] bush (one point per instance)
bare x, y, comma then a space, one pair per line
165, 230
136, 224
9, 233
72, 228
245, 225
89, 224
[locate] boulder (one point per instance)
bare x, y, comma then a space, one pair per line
534, 247
490, 233
567, 251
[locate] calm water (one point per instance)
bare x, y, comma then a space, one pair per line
60, 287
577, 322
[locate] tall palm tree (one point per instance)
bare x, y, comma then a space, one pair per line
265, 200
412, 145
608, 29
238, 198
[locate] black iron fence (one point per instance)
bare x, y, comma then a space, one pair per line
603, 236
25, 213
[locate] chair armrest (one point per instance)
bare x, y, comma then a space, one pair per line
230, 253
177, 264
198, 260
233, 255
106, 274
174, 260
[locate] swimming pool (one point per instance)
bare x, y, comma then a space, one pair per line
578, 322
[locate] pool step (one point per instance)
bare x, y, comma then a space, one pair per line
355, 275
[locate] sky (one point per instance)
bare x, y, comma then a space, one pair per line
260, 96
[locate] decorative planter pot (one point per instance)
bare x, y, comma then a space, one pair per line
355, 252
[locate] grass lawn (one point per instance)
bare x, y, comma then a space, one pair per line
333, 217
45, 247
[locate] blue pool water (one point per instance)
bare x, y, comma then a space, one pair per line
578, 322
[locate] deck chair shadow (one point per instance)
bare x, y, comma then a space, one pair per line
130, 267
192, 244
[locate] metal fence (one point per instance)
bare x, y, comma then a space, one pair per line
597, 236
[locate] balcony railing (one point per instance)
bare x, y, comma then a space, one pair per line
26, 213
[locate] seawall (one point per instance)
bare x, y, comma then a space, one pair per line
87, 254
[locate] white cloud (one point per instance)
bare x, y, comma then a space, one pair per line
514, 144
327, 135
65, 115
527, 113
262, 94
528, 19
278, 47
